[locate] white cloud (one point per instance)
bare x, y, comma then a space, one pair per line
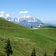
23, 12
4, 14
7, 15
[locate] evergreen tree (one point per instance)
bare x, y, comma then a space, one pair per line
45, 54
8, 48
31, 26
55, 52
33, 52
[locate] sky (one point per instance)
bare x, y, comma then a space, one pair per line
44, 10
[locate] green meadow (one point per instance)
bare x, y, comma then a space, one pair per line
24, 39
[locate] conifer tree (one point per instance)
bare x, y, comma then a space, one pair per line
55, 52
45, 54
8, 48
33, 52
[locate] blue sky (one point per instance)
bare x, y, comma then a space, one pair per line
45, 10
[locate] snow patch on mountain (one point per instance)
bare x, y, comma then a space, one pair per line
29, 21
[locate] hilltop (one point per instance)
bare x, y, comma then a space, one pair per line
24, 39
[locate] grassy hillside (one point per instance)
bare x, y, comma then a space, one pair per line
24, 39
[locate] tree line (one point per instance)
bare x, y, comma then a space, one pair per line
9, 51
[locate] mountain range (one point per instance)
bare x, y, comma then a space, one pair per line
28, 21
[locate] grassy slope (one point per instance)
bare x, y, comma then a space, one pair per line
24, 39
